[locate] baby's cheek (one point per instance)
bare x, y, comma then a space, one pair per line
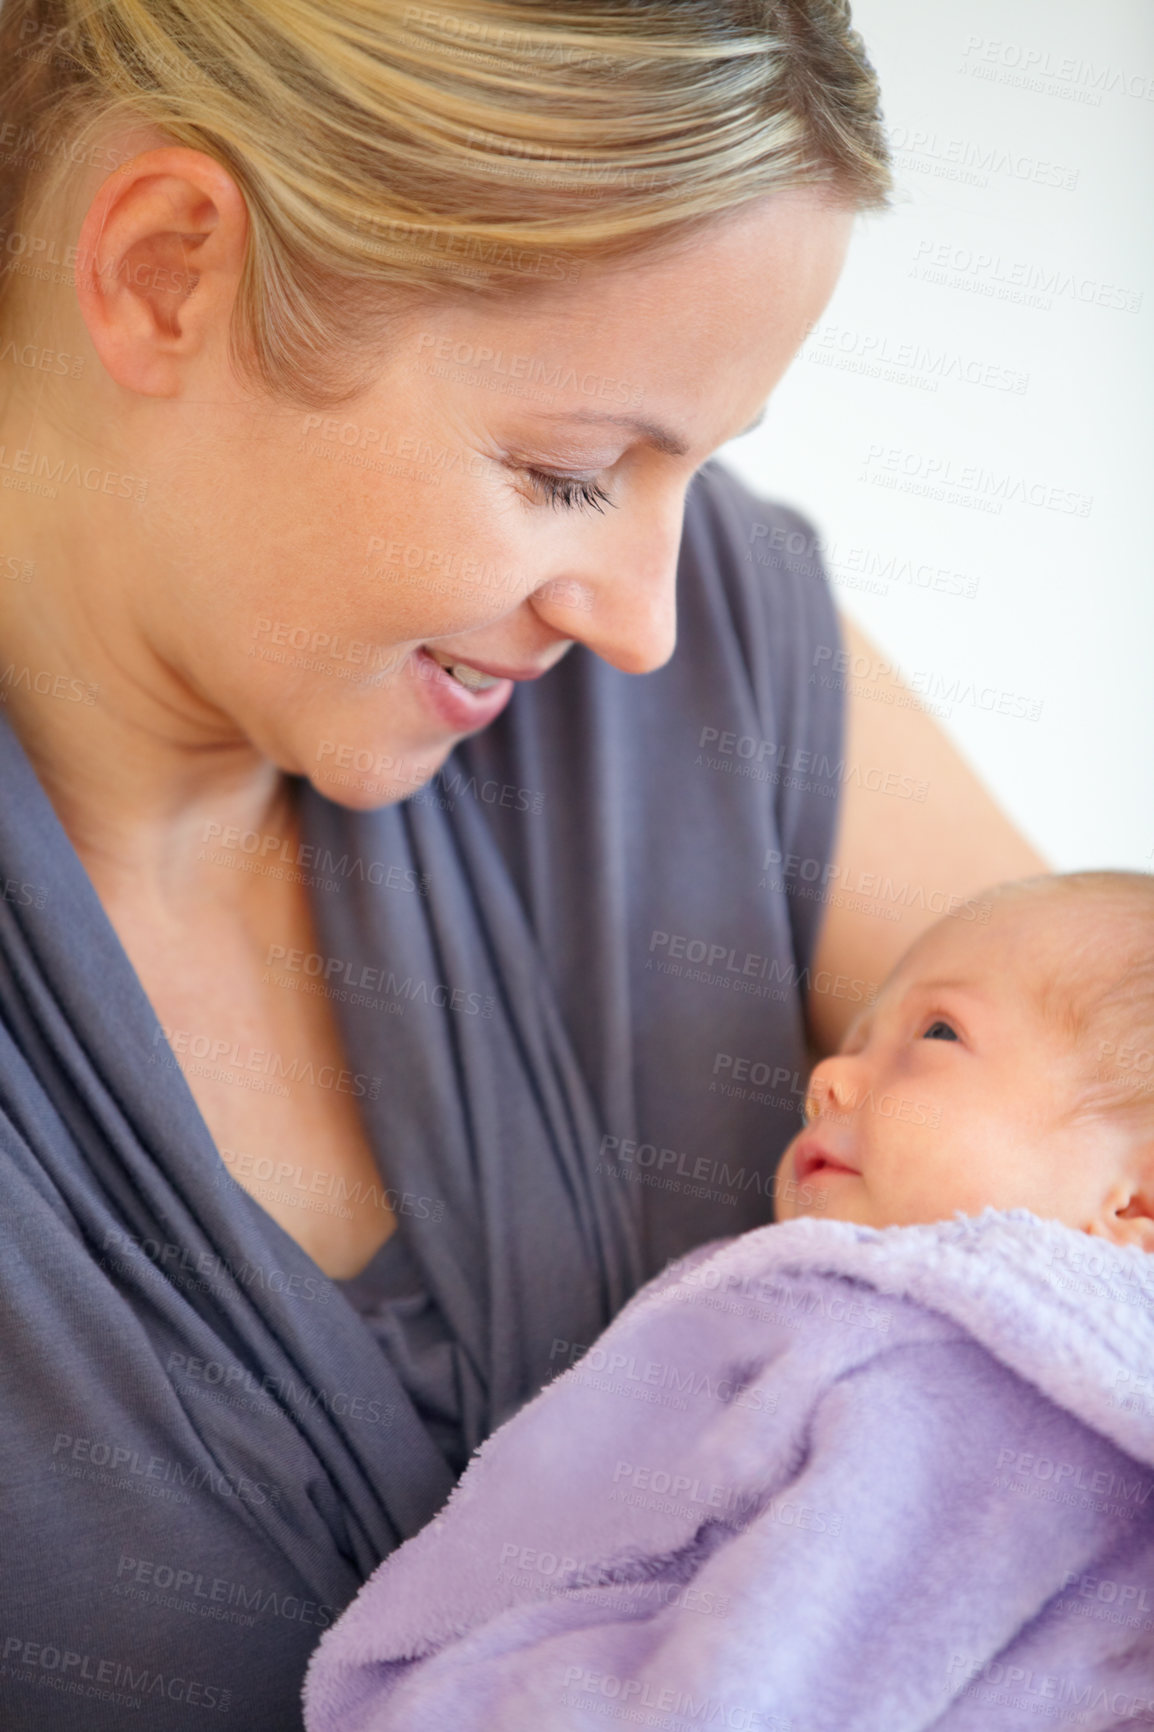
907, 1178
785, 1188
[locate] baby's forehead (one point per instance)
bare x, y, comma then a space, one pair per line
1002, 945
1046, 952
1070, 956
955, 948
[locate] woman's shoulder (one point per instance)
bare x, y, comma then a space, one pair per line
765, 531
762, 560
747, 538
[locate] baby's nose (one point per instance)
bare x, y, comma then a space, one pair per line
832, 1089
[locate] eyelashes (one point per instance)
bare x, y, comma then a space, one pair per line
567, 491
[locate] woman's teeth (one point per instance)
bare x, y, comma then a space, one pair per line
472, 678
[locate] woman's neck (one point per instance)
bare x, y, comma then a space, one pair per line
142, 815
136, 765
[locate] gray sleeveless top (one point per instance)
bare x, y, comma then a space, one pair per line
570, 987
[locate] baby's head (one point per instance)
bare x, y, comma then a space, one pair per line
1006, 1065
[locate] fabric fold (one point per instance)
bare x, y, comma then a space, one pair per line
821, 1476
530, 1147
206, 1449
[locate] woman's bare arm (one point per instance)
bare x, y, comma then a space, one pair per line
900, 859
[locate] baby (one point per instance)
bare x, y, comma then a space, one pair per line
883, 1466
1028, 1045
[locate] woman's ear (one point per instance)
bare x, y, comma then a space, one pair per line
1127, 1213
159, 262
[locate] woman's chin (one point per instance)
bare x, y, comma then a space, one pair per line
363, 766
364, 788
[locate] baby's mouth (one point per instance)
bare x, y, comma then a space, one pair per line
811, 1160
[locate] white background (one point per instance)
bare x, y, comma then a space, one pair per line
904, 387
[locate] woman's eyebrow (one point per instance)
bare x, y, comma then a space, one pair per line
651, 432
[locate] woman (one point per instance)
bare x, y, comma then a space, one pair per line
382, 1002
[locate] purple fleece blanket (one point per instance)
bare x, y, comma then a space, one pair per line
817, 1477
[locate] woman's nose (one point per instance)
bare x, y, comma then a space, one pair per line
622, 601
836, 1085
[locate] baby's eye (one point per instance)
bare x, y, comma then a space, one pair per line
939, 1030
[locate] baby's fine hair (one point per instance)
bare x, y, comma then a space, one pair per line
1101, 992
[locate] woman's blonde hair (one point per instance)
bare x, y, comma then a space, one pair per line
474, 145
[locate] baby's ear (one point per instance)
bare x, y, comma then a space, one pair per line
1127, 1213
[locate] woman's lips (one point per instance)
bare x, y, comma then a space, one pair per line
458, 708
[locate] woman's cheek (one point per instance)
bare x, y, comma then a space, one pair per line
418, 582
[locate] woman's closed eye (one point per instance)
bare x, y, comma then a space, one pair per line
568, 490
940, 1029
